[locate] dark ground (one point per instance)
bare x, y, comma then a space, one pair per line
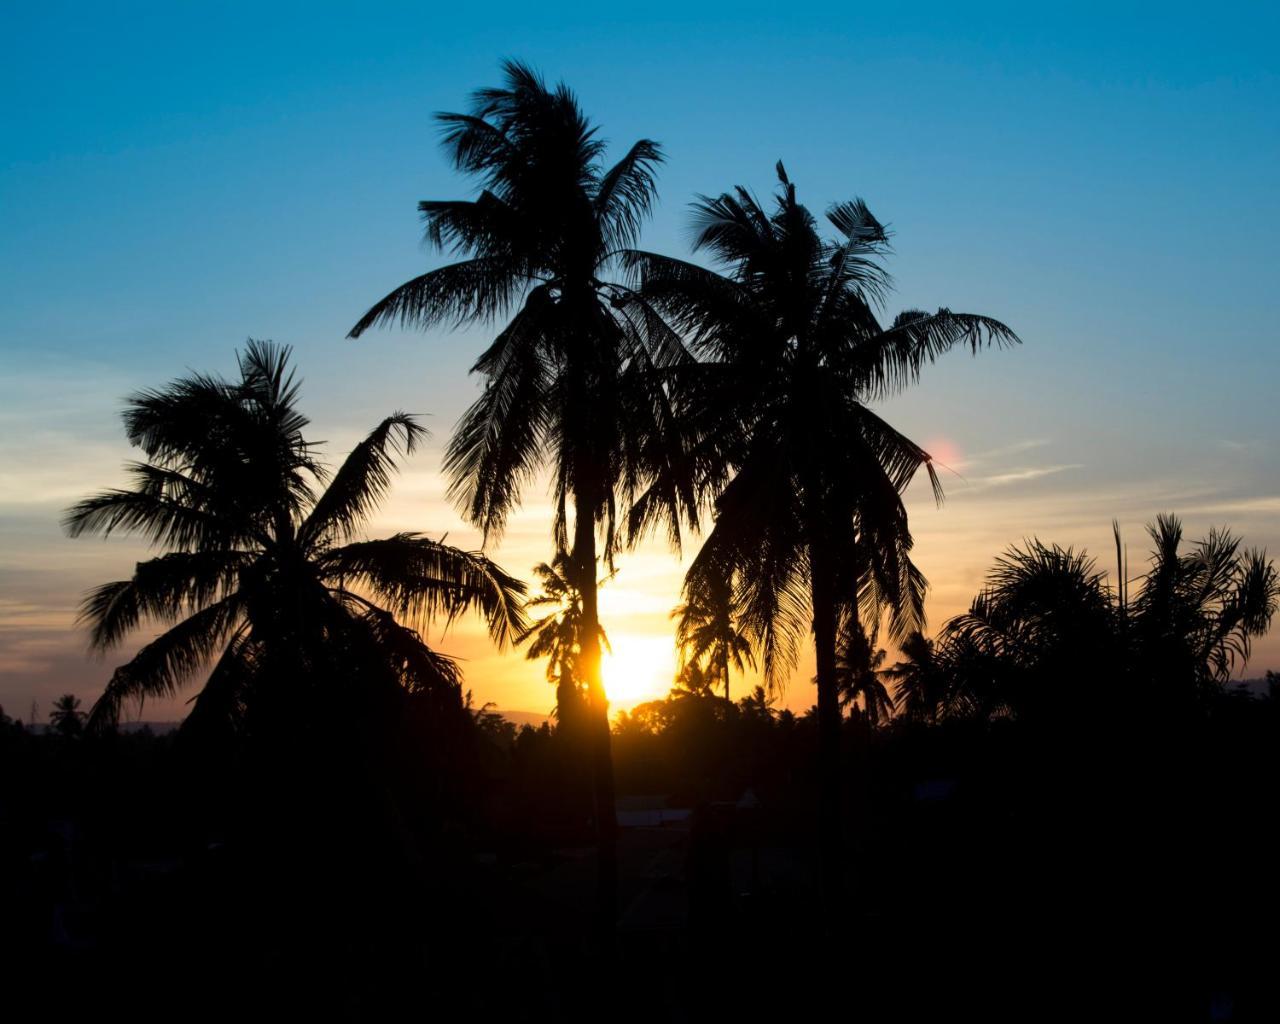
993, 874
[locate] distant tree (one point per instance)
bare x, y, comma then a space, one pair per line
805, 478
556, 635
1043, 621
694, 680
489, 723
920, 683
649, 718
859, 673
575, 380
757, 705
1199, 610
1047, 618
707, 630
262, 572
66, 718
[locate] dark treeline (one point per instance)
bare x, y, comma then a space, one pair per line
1056, 804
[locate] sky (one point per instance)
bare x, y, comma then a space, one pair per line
177, 178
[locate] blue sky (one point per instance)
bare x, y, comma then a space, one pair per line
175, 178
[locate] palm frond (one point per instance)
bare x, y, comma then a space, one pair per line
499, 443
885, 363
162, 589
160, 520
363, 480
458, 293
625, 194
420, 579
161, 667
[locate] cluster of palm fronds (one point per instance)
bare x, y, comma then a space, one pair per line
1049, 627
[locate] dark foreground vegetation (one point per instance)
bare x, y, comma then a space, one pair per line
1103, 864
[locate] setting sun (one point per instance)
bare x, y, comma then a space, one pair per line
640, 668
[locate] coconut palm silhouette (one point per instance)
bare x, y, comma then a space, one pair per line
261, 571
805, 478
574, 381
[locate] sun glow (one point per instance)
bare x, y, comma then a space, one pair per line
946, 453
640, 668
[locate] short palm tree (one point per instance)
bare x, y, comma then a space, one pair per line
806, 479
693, 681
1199, 610
1043, 621
860, 673
574, 380
66, 718
1047, 618
262, 573
707, 630
919, 683
555, 636
758, 704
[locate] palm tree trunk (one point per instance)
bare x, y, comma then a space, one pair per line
597, 726
829, 788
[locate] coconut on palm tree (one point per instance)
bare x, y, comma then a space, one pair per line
805, 478
574, 381
263, 570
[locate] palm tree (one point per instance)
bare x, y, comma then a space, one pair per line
1043, 621
859, 673
574, 381
1047, 618
919, 683
806, 479
693, 682
262, 572
758, 704
66, 718
1198, 611
556, 636
707, 631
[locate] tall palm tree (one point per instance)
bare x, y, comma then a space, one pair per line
707, 630
556, 636
574, 381
261, 571
806, 479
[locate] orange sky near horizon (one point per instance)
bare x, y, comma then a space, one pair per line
995, 496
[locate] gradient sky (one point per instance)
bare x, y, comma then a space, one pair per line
176, 178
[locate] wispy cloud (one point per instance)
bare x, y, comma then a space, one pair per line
1232, 445
1262, 505
1017, 476
1003, 452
